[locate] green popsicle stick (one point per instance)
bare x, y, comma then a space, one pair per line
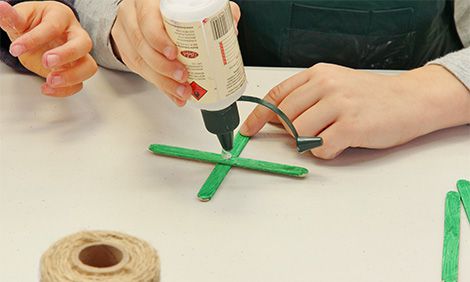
450, 251
223, 166
464, 189
239, 144
197, 155
209, 188
212, 184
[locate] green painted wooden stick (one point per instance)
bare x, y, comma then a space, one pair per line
223, 165
209, 188
212, 184
450, 251
464, 189
197, 155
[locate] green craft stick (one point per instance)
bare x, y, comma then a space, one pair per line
209, 188
270, 167
239, 144
450, 251
464, 189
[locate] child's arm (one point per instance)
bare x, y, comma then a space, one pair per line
47, 39
98, 18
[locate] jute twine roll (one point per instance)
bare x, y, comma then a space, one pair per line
100, 256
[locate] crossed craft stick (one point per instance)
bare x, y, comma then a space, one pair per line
223, 166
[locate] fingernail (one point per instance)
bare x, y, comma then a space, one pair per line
57, 80
180, 91
168, 52
46, 89
179, 103
178, 75
17, 50
52, 60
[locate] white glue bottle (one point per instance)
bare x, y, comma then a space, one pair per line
204, 32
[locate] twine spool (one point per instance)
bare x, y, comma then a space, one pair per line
100, 256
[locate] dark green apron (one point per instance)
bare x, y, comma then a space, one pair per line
368, 34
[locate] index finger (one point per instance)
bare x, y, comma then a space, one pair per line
47, 31
261, 115
235, 12
153, 29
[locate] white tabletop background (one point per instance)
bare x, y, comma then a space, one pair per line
81, 164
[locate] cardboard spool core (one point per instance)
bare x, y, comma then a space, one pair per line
101, 258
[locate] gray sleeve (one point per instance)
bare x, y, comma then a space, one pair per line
458, 63
462, 20
97, 18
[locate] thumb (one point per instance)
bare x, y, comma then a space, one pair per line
10, 21
235, 12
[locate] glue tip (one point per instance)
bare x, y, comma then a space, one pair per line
226, 155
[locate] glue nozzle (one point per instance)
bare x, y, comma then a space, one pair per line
226, 140
222, 123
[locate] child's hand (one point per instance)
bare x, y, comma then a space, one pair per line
141, 41
50, 42
350, 108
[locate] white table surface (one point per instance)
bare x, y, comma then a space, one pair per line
81, 163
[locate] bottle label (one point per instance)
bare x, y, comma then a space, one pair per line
210, 51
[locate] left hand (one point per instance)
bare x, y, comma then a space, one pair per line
352, 108
49, 41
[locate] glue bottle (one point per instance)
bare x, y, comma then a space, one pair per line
205, 35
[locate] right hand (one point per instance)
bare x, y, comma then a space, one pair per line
140, 40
